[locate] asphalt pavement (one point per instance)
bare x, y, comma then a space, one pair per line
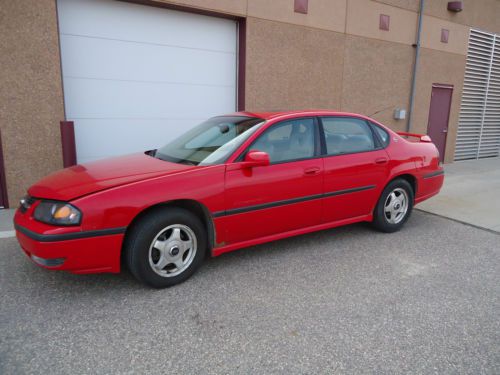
351, 300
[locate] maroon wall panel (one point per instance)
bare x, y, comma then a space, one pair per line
4, 201
68, 143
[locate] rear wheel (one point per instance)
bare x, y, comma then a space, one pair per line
394, 206
166, 247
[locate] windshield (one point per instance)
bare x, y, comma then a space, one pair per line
211, 142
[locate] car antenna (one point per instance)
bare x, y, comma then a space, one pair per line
382, 110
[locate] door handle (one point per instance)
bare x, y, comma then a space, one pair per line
380, 160
445, 130
311, 171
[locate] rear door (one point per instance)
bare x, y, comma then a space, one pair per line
283, 196
356, 167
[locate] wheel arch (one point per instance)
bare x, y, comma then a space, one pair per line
411, 179
191, 205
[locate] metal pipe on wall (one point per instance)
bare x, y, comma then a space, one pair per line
415, 66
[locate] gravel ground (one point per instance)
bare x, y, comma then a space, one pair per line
347, 300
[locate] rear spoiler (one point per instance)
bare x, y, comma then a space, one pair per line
421, 137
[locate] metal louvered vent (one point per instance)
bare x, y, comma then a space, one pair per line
479, 121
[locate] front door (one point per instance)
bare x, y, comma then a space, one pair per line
439, 114
280, 197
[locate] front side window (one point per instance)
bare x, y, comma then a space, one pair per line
286, 141
210, 143
346, 135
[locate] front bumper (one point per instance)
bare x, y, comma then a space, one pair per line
77, 252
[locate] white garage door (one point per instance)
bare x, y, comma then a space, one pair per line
135, 76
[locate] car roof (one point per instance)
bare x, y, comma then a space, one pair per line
277, 114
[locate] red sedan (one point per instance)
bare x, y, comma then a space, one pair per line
232, 182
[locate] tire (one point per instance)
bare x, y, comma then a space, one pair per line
165, 247
394, 206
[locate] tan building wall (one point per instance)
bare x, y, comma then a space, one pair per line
333, 57
298, 67
31, 99
377, 78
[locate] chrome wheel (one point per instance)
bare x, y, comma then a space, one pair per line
396, 206
172, 250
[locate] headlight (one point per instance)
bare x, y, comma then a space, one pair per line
57, 213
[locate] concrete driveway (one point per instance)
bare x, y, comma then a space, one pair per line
471, 194
349, 300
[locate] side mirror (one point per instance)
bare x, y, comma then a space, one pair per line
256, 158
425, 138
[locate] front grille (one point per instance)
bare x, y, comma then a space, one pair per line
26, 203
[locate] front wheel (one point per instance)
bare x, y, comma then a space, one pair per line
394, 206
166, 247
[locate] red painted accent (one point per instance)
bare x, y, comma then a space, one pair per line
242, 56
444, 35
68, 143
439, 114
455, 6
384, 22
111, 193
301, 6
4, 200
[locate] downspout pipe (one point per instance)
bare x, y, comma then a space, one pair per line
415, 66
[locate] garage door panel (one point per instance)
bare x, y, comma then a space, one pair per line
111, 59
122, 136
89, 98
148, 25
136, 76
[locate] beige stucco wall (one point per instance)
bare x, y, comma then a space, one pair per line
363, 19
292, 67
322, 14
431, 35
31, 103
377, 78
483, 14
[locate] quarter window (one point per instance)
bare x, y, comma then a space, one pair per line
291, 140
382, 134
345, 135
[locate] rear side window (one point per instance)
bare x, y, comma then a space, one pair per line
345, 135
382, 134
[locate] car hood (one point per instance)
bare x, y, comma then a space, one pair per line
83, 179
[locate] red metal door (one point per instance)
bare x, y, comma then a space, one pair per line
439, 114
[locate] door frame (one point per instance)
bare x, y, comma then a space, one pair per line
4, 200
445, 86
